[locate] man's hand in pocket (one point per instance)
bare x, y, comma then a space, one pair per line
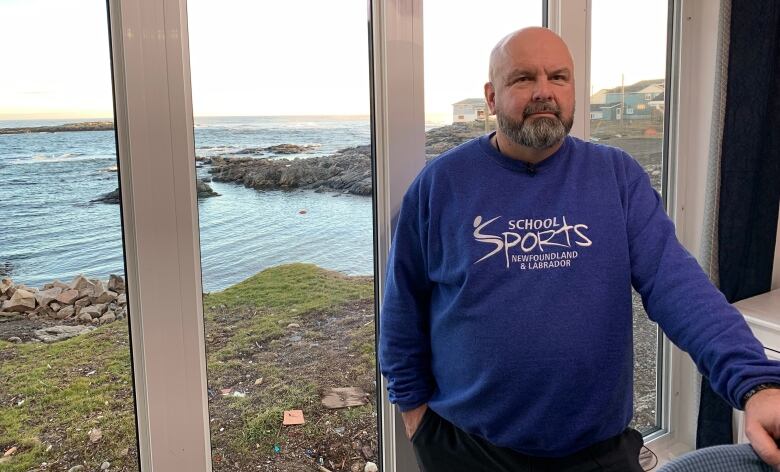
412, 419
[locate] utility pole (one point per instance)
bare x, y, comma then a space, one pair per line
622, 99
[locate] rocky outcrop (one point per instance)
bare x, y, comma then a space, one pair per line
347, 171
278, 149
83, 301
86, 126
113, 197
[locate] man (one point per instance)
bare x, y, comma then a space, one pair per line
506, 327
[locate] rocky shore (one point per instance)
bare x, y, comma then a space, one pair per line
86, 126
64, 310
347, 171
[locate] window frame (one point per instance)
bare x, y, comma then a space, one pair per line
155, 142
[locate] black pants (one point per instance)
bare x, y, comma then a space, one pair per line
442, 447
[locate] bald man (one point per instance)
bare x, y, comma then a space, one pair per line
506, 325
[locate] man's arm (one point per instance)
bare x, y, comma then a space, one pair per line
762, 425
412, 419
695, 315
404, 339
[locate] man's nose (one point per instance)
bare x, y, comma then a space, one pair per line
542, 91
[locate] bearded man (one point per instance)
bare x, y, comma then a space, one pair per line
506, 325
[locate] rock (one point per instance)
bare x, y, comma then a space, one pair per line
370, 467
101, 307
367, 451
112, 197
81, 303
58, 333
121, 300
91, 311
44, 311
80, 283
5, 284
76, 468
116, 283
356, 467
65, 312
105, 297
47, 296
105, 465
95, 435
55, 306
108, 317
68, 297
204, 190
85, 318
14, 339
293, 325
21, 301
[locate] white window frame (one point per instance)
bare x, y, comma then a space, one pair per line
159, 210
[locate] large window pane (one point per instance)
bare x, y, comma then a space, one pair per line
66, 392
282, 135
628, 68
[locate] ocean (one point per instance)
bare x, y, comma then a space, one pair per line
50, 229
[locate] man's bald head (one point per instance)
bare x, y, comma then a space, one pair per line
530, 43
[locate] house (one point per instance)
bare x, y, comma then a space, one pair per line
470, 109
636, 98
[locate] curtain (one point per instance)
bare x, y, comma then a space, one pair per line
746, 178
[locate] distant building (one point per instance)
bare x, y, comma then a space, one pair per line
642, 100
470, 109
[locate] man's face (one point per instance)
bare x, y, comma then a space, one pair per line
532, 90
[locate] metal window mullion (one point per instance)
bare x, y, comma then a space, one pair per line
157, 176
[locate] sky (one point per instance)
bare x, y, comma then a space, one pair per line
297, 57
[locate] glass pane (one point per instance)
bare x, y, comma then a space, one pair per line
628, 67
66, 391
458, 41
282, 137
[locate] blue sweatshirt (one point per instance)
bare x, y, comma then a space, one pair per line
507, 306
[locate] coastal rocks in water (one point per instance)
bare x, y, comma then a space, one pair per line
58, 333
204, 191
349, 171
86, 126
111, 197
278, 149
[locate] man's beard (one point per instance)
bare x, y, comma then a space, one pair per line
538, 133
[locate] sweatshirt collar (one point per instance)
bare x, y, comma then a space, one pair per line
520, 166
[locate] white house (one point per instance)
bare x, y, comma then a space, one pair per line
470, 109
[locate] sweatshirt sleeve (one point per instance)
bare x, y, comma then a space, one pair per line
404, 341
679, 296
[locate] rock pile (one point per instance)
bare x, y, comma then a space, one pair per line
83, 301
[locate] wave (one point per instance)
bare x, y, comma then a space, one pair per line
67, 157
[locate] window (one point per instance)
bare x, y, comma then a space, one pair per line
623, 70
286, 220
66, 384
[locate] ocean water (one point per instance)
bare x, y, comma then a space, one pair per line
50, 229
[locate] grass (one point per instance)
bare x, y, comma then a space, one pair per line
54, 394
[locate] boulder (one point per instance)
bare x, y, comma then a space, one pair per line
80, 283
93, 312
55, 306
44, 311
85, 317
22, 301
121, 300
106, 296
81, 303
5, 284
108, 317
67, 297
58, 333
47, 296
58, 284
64, 312
116, 283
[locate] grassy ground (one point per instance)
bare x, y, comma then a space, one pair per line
299, 328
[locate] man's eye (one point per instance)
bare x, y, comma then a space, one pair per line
559, 77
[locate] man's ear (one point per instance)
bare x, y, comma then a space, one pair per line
490, 97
